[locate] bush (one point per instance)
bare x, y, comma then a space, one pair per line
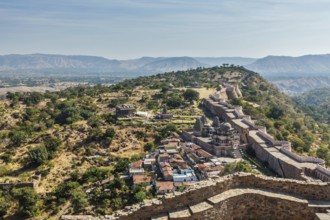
241, 166
7, 158
275, 113
191, 95
27, 200
148, 147
4, 170
110, 133
38, 155
140, 196
65, 189
17, 138
79, 200
174, 102
4, 206
153, 104
122, 165
52, 144
94, 174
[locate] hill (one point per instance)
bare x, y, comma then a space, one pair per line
283, 66
75, 147
316, 103
56, 62
218, 61
300, 85
172, 64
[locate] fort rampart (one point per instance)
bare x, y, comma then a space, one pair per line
225, 196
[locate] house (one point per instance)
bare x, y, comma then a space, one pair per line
136, 168
170, 148
171, 139
187, 175
142, 180
125, 110
177, 161
163, 157
209, 170
150, 164
195, 153
164, 187
166, 170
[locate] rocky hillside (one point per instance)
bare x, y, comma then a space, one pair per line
284, 119
299, 85
68, 142
316, 103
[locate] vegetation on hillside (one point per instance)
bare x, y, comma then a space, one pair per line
73, 140
316, 103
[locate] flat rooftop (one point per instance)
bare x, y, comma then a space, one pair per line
241, 123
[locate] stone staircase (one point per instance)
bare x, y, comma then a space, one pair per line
236, 153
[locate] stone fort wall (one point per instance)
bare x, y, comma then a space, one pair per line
247, 195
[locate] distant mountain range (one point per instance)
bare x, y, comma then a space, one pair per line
45, 63
290, 74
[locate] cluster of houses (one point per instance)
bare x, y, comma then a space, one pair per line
175, 164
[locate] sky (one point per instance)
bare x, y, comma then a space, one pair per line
124, 29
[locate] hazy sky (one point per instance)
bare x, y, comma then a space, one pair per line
134, 28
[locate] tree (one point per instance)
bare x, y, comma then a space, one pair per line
27, 200
38, 155
240, 166
275, 112
122, 165
7, 158
168, 129
117, 203
79, 200
17, 138
153, 104
148, 147
109, 118
93, 174
174, 102
52, 144
322, 152
191, 95
297, 143
64, 190
4, 204
140, 196
110, 133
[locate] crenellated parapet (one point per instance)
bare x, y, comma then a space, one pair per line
303, 159
240, 192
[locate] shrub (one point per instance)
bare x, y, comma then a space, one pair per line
38, 155
27, 200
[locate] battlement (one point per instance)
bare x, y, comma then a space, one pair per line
323, 170
303, 159
197, 202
